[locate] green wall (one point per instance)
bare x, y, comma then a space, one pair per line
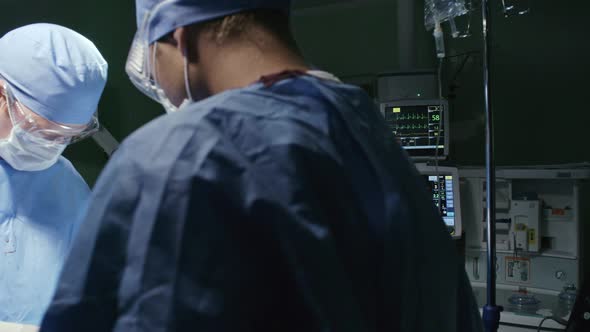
540, 70
357, 39
539, 73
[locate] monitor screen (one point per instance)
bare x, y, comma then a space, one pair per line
441, 188
420, 126
444, 192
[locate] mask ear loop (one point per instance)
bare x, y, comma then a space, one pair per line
187, 85
152, 73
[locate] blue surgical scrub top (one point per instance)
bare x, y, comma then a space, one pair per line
39, 214
268, 208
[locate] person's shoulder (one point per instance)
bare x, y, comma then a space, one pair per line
235, 123
168, 127
203, 124
63, 163
186, 135
65, 168
62, 167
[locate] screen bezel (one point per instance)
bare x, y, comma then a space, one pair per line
426, 170
443, 153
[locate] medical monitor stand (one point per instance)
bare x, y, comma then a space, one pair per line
491, 311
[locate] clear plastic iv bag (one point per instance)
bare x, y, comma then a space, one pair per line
438, 11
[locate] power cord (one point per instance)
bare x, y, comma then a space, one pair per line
553, 318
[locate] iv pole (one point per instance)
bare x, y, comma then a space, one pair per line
491, 311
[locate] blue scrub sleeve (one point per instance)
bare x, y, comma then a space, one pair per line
86, 297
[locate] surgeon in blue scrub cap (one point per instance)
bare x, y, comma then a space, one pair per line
270, 197
51, 79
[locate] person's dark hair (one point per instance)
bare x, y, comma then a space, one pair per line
237, 25
273, 21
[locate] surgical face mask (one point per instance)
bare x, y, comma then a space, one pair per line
141, 67
165, 102
25, 152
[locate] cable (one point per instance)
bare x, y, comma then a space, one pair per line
515, 252
468, 53
541, 324
555, 319
460, 69
439, 131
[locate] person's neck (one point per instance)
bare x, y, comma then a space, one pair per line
239, 67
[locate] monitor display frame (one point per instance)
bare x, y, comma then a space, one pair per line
426, 170
427, 153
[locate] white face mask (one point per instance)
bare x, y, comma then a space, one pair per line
166, 103
25, 152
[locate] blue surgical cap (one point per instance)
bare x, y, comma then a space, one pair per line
54, 71
173, 14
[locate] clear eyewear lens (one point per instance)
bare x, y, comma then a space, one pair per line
90, 130
138, 63
141, 64
15, 112
138, 71
58, 133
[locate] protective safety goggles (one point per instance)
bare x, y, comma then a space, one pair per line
42, 128
141, 63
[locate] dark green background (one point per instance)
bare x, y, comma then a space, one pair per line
540, 70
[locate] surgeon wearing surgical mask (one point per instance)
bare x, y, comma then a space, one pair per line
270, 197
51, 79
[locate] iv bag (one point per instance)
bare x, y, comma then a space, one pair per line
438, 11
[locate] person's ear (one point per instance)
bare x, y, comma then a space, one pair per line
182, 41
3, 96
180, 37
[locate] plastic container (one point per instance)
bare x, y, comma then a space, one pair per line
439, 11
